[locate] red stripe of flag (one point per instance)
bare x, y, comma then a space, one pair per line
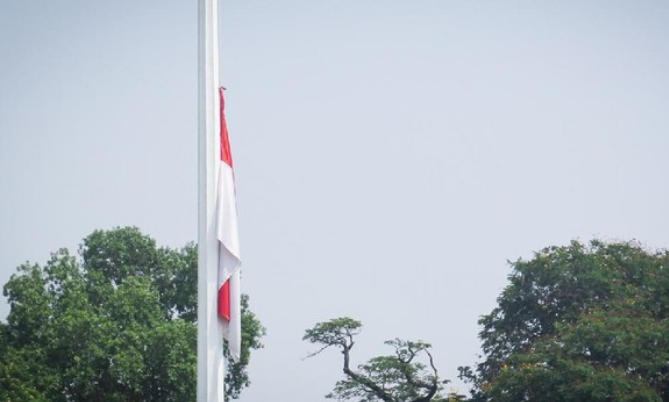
226, 157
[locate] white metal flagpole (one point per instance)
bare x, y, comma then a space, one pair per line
210, 362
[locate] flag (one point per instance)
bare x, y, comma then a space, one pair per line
229, 261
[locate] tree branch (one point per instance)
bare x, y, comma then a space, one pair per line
316, 352
360, 379
431, 388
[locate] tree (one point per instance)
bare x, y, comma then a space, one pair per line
408, 375
579, 323
116, 324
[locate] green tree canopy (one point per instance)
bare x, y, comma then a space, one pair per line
408, 375
579, 323
116, 324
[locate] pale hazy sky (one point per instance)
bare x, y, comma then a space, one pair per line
390, 156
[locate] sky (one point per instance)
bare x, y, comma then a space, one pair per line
390, 157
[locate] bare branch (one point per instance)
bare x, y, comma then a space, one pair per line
431, 362
315, 353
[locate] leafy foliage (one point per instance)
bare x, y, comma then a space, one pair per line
579, 323
117, 324
407, 375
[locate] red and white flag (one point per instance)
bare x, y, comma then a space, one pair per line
229, 259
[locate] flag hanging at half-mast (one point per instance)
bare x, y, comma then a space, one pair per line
229, 260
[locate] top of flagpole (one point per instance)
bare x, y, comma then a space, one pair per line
210, 370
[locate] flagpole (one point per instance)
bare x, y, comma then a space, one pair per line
210, 364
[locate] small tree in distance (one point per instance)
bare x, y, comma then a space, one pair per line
408, 375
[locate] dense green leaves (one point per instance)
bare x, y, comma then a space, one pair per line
579, 323
117, 324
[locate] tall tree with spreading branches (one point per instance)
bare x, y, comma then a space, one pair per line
407, 375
